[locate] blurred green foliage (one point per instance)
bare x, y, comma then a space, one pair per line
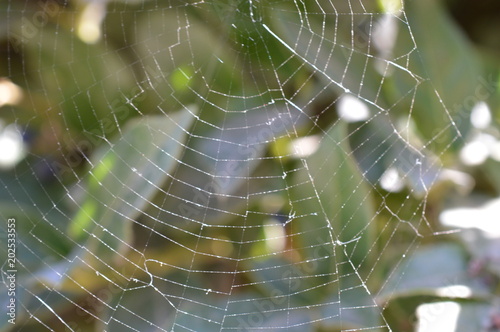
157, 154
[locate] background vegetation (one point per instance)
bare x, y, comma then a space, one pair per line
95, 95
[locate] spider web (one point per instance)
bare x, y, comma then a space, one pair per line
221, 165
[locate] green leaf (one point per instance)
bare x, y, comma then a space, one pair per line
201, 310
286, 281
125, 176
213, 185
236, 151
151, 309
334, 203
447, 79
245, 312
337, 305
250, 311
475, 316
437, 271
351, 308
